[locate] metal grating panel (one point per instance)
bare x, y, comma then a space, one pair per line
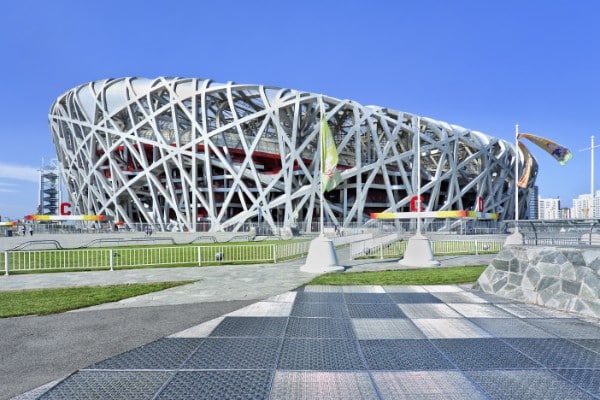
166, 353
368, 298
371, 329
483, 354
526, 384
319, 328
375, 311
319, 297
430, 385
322, 385
250, 327
414, 298
586, 379
557, 353
320, 355
322, 310
235, 353
109, 385
510, 328
590, 344
403, 355
200, 385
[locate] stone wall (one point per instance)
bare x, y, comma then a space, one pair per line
566, 279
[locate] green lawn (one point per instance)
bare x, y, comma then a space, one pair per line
425, 276
49, 301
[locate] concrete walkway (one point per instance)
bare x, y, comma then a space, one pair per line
248, 331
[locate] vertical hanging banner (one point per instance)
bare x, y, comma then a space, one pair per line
329, 158
524, 180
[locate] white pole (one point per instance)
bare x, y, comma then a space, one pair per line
418, 155
321, 166
517, 178
592, 170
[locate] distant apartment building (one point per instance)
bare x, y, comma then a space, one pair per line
533, 209
548, 208
583, 207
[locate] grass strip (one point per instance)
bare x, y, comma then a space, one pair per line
424, 276
50, 301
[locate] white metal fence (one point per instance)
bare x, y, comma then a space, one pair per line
105, 258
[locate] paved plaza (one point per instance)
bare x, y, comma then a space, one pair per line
350, 342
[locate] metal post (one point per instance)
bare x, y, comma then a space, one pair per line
199, 256
112, 259
274, 254
6, 263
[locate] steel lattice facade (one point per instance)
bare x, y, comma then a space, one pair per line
182, 151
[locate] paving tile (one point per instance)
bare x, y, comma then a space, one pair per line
567, 328
442, 288
199, 331
320, 355
428, 311
510, 328
480, 310
363, 289
109, 385
389, 328
263, 309
460, 297
403, 355
483, 354
322, 289
404, 289
449, 329
590, 344
526, 384
430, 385
322, 385
235, 353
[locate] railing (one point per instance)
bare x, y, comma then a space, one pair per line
106, 258
395, 249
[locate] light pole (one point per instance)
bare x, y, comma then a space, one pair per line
516, 238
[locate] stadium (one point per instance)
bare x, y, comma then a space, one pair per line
192, 154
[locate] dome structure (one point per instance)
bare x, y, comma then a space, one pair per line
201, 155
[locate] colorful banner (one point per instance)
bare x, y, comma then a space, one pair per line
524, 180
329, 158
41, 217
435, 214
560, 153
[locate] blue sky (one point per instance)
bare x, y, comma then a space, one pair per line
484, 65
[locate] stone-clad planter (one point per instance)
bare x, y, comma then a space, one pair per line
565, 279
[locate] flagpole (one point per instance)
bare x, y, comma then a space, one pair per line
321, 166
517, 178
418, 135
516, 238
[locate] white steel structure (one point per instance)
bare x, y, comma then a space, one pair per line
183, 151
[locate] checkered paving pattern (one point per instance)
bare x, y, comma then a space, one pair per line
371, 342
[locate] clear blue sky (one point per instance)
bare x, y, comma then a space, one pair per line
484, 65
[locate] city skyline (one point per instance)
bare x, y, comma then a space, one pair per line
485, 67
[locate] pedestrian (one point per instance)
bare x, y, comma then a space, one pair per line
23, 231
30, 230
